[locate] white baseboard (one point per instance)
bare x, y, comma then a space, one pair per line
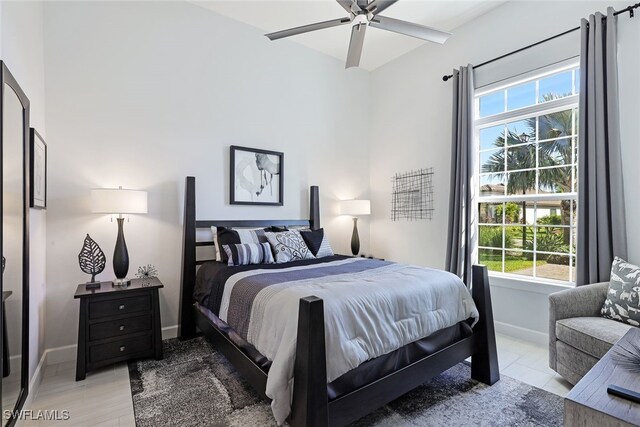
36, 380
519, 332
169, 332
66, 353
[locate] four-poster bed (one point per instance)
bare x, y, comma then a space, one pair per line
314, 401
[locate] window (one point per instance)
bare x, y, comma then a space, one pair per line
527, 148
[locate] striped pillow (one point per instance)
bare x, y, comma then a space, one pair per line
232, 236
248, 253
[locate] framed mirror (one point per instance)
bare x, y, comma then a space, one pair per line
14, 246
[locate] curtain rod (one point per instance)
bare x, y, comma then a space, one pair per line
629, 9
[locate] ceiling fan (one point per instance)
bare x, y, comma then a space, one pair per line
363, 13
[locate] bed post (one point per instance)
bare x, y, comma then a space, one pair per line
310, 406
187, 325
484, 363
314, 207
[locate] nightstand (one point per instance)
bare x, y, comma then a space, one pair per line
118, 324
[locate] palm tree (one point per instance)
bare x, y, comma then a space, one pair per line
522, 157
551, 153
556, 153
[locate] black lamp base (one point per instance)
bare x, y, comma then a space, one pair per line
355, 239
120, 256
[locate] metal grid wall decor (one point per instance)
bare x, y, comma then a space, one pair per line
412, 196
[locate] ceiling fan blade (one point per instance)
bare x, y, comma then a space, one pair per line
307, 28
355, 45
378, 6
348, 4
410, 29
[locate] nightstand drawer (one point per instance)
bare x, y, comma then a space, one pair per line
116, 328
120, 348
115, 307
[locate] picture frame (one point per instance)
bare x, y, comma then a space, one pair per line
256, 177
37, 170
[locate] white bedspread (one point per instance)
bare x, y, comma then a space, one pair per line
367, 314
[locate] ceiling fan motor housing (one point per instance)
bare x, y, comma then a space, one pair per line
360, 20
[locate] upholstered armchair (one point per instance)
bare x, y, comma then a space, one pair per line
578, 335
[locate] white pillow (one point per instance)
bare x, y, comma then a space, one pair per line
214, 230
288, 246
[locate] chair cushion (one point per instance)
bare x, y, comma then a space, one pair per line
592, 335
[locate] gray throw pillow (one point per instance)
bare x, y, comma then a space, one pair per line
623, 298
288, 246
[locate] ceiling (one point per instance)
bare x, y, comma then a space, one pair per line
380, 46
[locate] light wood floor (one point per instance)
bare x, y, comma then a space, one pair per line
104, 398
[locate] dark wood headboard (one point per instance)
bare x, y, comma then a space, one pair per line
187, 325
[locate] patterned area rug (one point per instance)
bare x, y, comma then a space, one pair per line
194, 385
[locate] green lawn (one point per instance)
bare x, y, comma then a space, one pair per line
510, 263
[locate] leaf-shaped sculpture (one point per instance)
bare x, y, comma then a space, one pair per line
91, 258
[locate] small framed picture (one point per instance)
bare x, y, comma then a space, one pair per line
38, 171
256, 177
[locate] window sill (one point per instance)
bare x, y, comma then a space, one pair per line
538, 286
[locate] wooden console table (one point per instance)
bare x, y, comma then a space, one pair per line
589, 404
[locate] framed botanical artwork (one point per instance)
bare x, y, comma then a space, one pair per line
256, 177
38, 171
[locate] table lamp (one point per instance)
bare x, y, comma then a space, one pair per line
355, 208
121, 202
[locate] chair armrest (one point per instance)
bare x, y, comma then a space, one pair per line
581, 301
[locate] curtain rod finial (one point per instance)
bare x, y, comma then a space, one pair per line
445, 78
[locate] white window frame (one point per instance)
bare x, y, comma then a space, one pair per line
562, 104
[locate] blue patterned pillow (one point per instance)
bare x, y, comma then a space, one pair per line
623, 298
248, 253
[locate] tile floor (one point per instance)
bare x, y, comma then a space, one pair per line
103, 399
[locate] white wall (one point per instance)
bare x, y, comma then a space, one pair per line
143, 94
21, 38
411, 116
128, 82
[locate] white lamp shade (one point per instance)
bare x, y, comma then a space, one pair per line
118, 201
355, 207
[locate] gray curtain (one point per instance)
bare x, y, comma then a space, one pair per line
461, 212
601, 215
